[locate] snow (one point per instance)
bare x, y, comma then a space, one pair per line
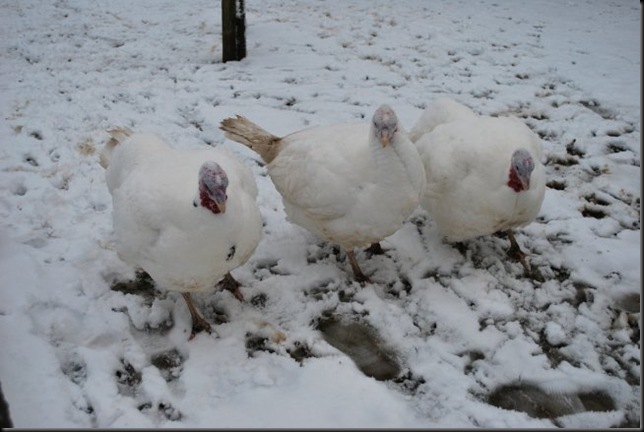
77, 353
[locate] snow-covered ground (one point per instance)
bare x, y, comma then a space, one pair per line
444, 337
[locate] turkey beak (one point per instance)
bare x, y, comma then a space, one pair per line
221, 205
386, 135
219, 198
525, 182
525, 172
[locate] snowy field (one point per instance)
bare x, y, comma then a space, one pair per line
443, 337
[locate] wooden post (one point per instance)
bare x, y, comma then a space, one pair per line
233, 29
5, 418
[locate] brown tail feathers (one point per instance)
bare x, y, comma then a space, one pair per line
246, 132
117, 135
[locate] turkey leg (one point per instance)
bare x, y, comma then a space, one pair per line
516, 253
231, 284
198, 322
357, 272
375, 249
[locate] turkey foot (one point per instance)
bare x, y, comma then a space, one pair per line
517, 254
229, 283
375, 249
199, 324
357, 272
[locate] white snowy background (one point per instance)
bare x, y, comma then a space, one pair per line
444, 337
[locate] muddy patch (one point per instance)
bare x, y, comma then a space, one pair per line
169, 364
537, 403
362, 344
128, 378
142, 285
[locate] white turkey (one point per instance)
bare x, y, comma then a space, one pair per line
186, 217
352, 184
442, 110
484, 174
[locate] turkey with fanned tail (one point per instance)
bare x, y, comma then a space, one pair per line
484, 173
186, 217
352, 184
